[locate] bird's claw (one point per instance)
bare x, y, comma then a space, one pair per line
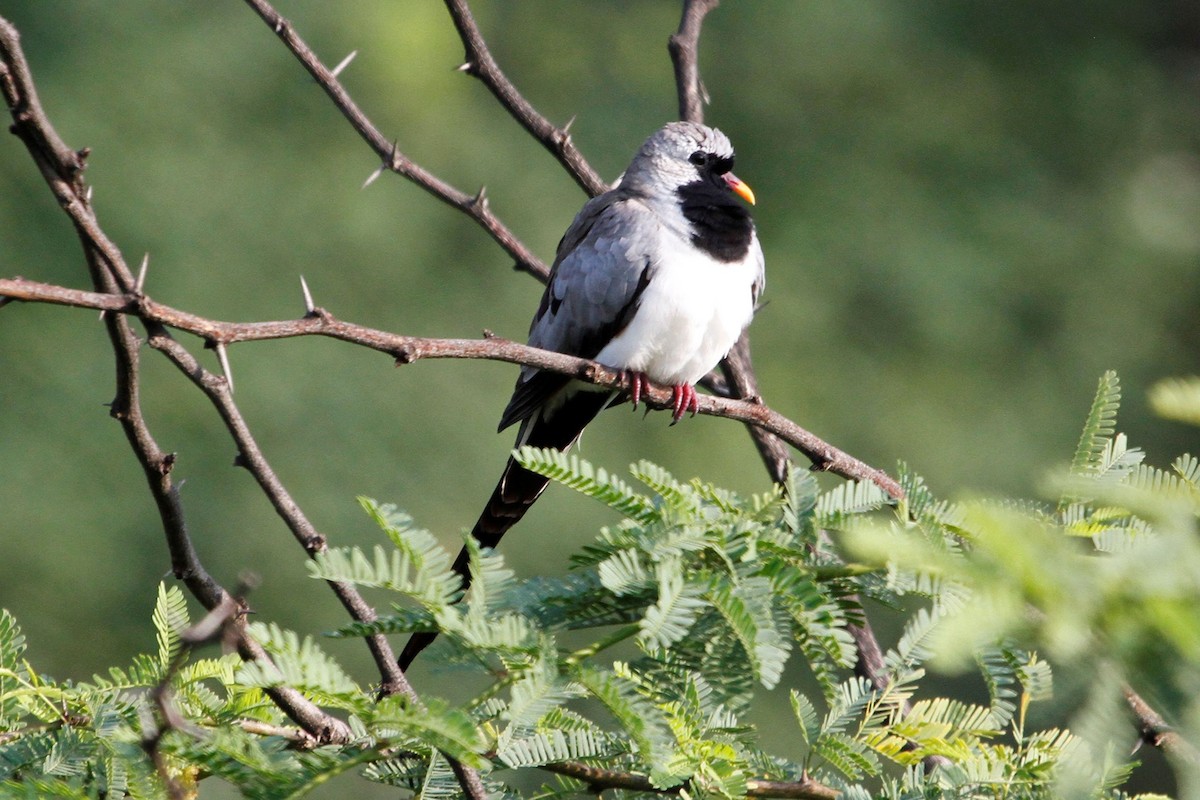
637, 384
683, 399
683, 395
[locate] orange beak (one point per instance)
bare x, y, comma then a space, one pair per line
739, 187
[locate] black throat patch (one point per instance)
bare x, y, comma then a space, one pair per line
721, 226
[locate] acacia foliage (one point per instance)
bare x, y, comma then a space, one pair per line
708, 599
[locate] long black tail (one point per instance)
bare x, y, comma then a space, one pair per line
518, 489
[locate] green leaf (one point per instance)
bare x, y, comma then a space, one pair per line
642, 721
914, 645
836, 507
622, 572
437, 725
491, 579
1177, 399
678, 605
747, 608
12, 669
664, 484
849, 702
800, 504
551, 746
395, 570
1099, 426
417, 566
1188, 468
806, 715
848, 756
572, 471
298, 663
170, 619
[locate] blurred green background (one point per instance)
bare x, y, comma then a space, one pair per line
969, 211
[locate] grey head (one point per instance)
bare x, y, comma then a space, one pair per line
675, 155
684, 173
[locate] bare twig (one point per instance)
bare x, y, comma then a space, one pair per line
62, 169
406, 349
471, 205
741, 382
599, 779
250, 456
1156, 731
685, 56
479, 63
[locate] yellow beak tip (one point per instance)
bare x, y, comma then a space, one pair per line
740, 188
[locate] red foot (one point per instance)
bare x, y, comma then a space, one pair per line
683, 395
637, 384
683, 398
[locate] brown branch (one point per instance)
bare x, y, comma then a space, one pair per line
741, 382
480, 63
250, 456
685, 56
598, 779
1156, 731
62, 169
474, 206
407, 349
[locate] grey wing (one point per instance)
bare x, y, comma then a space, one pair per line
603, 265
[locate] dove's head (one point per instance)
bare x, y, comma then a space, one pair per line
681, 156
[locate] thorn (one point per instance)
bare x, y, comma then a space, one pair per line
141, 278
567, 128
480, 199
374, 176
309, 306
223, 357
466, 66
87, 196
345, 62
103, 311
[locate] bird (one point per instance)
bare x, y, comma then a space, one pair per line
657, 277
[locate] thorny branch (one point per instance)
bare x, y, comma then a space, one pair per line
483, 66
474, 206
684, 46
1155, 731
62, 168
407, 349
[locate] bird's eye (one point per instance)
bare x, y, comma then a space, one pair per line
699, 158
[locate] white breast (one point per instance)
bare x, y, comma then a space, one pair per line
690, 315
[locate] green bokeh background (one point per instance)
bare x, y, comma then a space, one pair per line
969, 211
